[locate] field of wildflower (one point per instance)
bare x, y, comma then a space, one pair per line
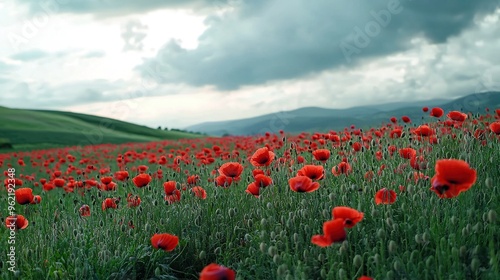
399, 201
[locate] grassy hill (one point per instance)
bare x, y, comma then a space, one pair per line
320, 119
27, 129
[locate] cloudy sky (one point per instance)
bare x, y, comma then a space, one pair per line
176, 63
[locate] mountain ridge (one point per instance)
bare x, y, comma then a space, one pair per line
324, 119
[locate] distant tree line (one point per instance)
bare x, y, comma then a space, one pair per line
182, 130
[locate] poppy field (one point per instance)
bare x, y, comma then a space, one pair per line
398, 201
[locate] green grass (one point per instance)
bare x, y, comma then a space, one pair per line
418, 237
27, 129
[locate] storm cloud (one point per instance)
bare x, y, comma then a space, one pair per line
262, 41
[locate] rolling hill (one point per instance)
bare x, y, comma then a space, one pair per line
321, 119
27, 129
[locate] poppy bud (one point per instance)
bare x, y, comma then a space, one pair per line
217, 251
342, 274
489, 182
357, 261
453, 219
202, 255
430, 262
474, 264
277, 259
272, 251
465, 231
381, 233
158, 272
282, 270
418, 238
426, 237
263, 247
323, 273
492, 216
398, 266
248, 237
476, 228
389, 222
392, 247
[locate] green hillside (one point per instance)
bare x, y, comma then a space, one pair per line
28, 129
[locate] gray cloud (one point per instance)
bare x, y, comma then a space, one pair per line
30, 55
133, 33
42, 95
262, 41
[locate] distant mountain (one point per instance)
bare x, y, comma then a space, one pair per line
322, 119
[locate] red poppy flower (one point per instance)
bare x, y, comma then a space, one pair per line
58, 182
457, 116
142, 168
253, 189
406, 119
199, 192
452, 177
407, 153
141, 180
394, 120
217, 272
84, 210
48, 187
262, 157
106, 180
495, 127
418, 163
302, 184
223, 181
263, 181
16, 222
385, 196
321, 154
425, 109
121, 175
300, 159
133, 200
424, 130
193, 179
109, 203
436, 112
367, 277
395, 133
342, 168
357, 146
172, 194
24, 196
333, 231
315, 172
164, 241
36, 199
350, 216
231, 169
